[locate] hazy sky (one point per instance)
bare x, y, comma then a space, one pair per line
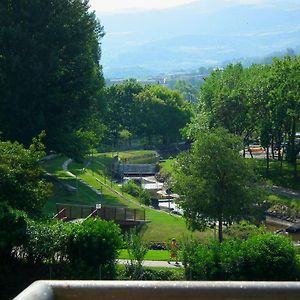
109, 7
117, 6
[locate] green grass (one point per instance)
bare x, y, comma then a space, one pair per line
277, 176
294, 204
167, 165
163, 226
132, 156
159, 255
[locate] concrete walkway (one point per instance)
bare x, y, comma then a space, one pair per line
153, 263
285, 192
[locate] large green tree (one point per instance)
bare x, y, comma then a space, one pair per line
215, 184
151, 112
163, 113
50, 77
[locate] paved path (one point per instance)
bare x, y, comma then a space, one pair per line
285, 192
153, 263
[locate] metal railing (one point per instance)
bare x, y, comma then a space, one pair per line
162, 290
109, 213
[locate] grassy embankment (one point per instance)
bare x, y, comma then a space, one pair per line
279, 176
163, 226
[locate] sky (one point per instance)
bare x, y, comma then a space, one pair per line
119, 6
110, 7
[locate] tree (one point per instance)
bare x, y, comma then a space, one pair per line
119, 108
21, 182
161, 113
50, 77
187, 90
215, 184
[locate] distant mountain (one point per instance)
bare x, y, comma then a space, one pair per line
196, 35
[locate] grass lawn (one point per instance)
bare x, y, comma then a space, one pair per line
163, 226
167, 165
294, 204
160, 255
276, 176
132, 156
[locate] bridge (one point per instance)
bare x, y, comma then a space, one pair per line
124, 216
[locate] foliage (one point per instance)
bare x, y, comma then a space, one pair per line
131, 188
215, 184
187, 90
12, 231
50, 77
243, 230
137, 250
46, 242
259, 102
152, 274
268, 257
146, 112
135, 190
94, 242
21, 183
261, 257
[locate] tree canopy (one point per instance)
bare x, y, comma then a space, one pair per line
21, 183
257, 103
50, 77
215, 184
150, 112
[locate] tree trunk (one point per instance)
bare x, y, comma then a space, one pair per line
268, 161
294, 154
272, 148
220, 229
249, 149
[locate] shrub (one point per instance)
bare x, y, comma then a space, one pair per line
46, 241
135, 190
261, 257
243, 230
269, 257
131, 188
201, 261
145, 197
125, 273
12, 231
94, 242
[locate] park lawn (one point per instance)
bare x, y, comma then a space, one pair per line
277, 177
294, 204
159, 255
162, 226
167, 165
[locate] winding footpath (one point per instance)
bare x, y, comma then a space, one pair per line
279, 190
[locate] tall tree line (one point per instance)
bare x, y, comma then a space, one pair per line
50, 76
260, 102
152, 113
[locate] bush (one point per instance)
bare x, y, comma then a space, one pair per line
125, 273
261, 257
46, 242
135, 190
201, 261
243, 230
94, 242
131, 188
12, 231
269, 257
